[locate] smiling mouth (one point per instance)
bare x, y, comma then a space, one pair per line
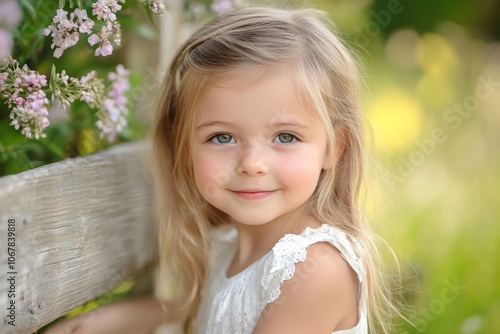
253, 194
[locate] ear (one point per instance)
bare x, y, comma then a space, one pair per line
331, 160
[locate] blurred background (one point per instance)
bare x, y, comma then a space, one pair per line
432, 95
433, 98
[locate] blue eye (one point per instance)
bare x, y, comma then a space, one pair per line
222, 138
286, 138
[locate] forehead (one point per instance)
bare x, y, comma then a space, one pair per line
249, 98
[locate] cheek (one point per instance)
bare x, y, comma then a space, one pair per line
210, 172
300, 172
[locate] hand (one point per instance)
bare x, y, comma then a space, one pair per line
74, 325
135, 316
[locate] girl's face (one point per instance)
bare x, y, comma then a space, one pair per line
257, 153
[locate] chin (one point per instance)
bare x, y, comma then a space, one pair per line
251, 220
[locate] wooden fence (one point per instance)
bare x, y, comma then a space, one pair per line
70, 231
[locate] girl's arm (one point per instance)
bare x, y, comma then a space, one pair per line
135, 316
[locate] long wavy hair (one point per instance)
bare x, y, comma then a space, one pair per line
258, 39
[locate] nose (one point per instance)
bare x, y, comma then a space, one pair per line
252, 162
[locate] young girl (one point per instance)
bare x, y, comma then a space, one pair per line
259, 160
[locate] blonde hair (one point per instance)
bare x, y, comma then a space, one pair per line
302, 42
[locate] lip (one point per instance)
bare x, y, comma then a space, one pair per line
253, 194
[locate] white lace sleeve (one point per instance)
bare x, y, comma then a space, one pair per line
291, 249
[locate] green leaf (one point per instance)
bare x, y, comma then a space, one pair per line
53, 148
3, 155
10, 136
18, 162
26, 4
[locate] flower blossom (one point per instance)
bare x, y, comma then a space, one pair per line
112, 114
31, 114
22, 89
105, 10
109, 30
90, 88
65, 32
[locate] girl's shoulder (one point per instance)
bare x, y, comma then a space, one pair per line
309, 272
292, 249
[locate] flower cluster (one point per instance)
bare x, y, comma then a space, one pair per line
111, 104
105, 10
65, 32
22, 89
67, 89
114, 107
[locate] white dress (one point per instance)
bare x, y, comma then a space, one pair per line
234, 305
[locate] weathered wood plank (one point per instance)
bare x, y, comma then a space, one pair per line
81, 226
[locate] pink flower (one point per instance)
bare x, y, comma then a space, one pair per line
110, 30
85, 79
111, 107
31, 114
64, 77
65, 32
88, 97
61, 15
84, 23
32, 118
121, 71
112, 117
106, 9
81, 14
33, 81
24, 95
58, 52
104, 50
93, 39
16, 99
71, 40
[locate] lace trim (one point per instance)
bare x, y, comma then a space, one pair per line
292, 248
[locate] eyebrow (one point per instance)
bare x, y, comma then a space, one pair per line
290, 124
275, 125
213, 123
